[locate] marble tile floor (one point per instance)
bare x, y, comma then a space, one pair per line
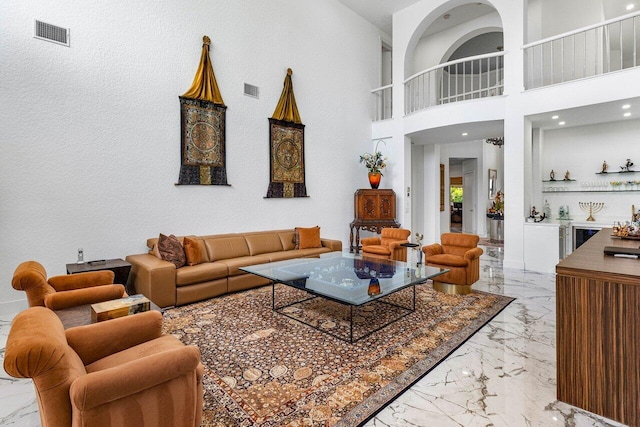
503, 376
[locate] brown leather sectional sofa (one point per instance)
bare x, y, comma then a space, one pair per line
223, 254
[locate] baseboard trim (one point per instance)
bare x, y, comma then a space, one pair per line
13, 307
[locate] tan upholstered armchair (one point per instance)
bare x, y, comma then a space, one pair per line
113, 373
64, 291
387, 246
458, 253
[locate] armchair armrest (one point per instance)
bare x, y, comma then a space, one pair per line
93, 342
367, 241
473, 253
82, 280
97, 388
76, 297
397, 243
433, 249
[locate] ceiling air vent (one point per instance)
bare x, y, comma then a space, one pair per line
51, 33
251, 90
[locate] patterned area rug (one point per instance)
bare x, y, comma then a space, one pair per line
265, 369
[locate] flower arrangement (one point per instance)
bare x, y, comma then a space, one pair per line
497, 209
374, 162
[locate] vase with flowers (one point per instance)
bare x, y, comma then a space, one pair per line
375, 163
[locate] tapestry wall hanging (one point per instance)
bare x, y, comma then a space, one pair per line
286, 147
202, 123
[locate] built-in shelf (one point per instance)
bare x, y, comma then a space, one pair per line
591, 191
611, 173
559, 180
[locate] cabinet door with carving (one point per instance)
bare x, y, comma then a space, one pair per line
387, 206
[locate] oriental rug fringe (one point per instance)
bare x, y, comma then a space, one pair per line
265, 369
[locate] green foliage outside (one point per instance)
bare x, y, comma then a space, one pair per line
456, 194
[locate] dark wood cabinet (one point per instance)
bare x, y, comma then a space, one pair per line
373, 210
598, 313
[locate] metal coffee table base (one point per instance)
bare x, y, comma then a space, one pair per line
278, 309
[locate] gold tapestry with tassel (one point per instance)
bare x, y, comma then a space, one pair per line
203, 117
286, 141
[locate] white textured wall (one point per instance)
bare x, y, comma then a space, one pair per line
91, 133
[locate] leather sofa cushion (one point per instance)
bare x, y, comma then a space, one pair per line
226, 248
287, 238
201, 273
447, 260
261, 243
234, 264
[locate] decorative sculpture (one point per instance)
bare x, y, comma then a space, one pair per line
552, 175
627, 166
567, 176
605, 166
592, 208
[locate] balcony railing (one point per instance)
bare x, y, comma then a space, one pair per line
384, 104
590, 51
467, 78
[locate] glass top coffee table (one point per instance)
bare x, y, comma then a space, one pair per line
347, 280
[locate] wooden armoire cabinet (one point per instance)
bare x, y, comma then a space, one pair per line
373, 210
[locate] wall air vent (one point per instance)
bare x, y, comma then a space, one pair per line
51, 33
251, 90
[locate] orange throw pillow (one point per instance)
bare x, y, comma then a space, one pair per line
307, 238
192, 251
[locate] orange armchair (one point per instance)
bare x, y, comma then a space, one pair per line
387, 246
114, 373
61, 292
460, 254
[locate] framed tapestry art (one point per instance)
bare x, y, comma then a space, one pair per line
286, 147
202, 142
202, 123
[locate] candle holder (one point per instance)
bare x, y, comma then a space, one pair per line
591, 207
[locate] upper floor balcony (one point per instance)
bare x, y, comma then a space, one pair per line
588, 52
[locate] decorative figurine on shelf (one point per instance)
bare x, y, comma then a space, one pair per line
547, 210
566, 176
605, 166
552, 175
563, 213
535, 215
635, 215
627, 166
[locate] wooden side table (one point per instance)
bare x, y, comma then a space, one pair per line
81, 315
120, 268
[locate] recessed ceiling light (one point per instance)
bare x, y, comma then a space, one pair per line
554, 117
630, 6
626, 106
465, 134
561, 123
627, 114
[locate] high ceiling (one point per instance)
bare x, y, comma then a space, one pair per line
380, 12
